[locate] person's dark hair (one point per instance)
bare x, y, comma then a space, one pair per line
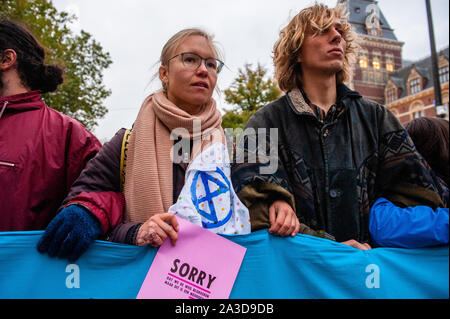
33, 72
430, 136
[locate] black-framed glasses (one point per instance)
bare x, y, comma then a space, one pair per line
192, 61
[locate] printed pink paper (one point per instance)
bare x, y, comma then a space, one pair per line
202, 265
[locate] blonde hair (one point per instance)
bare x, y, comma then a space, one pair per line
175, 41
314, 19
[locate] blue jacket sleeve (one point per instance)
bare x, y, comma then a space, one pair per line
410, 227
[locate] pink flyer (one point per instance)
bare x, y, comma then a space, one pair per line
202, 265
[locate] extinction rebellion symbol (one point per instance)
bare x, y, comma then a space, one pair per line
199, 200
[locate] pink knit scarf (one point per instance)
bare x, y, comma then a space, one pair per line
148, 185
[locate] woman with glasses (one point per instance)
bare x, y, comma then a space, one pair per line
126, 191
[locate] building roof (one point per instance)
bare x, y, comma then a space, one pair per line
398, 81
423, 67
358, 14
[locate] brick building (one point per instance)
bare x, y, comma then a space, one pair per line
380, 52
409, 92
379, 73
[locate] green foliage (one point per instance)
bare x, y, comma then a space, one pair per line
82, 94
250, 91
232, 119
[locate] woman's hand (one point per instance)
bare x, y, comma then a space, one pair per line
156, 229
283, 220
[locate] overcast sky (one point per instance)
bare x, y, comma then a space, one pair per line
134, 32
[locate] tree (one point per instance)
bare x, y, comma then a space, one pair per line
250, 91
82, 94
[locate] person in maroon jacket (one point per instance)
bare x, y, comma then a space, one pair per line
42, 152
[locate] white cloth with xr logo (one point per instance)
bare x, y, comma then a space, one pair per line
208, 198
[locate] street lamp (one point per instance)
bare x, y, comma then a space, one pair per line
441, 110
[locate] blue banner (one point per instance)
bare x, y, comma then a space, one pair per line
273, 268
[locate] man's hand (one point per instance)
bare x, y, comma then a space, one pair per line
156, 229
283, 221
355, 244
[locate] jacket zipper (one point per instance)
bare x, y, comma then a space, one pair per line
1, 113
7, 164
3, 109
323, 135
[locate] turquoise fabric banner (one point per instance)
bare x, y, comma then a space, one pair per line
273, 267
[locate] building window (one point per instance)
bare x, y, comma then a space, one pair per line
418, 114
363, 60
376, 61
391, 95
417, 110
379, 78
365, 76
370, 77
414, 86
390, 63
443, 74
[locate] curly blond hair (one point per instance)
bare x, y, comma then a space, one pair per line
314, 19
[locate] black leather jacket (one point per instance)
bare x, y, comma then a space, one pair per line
334, 169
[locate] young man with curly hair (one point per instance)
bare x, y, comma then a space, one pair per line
337, 151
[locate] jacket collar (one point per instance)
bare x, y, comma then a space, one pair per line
343, 92
23, 101
299, 100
